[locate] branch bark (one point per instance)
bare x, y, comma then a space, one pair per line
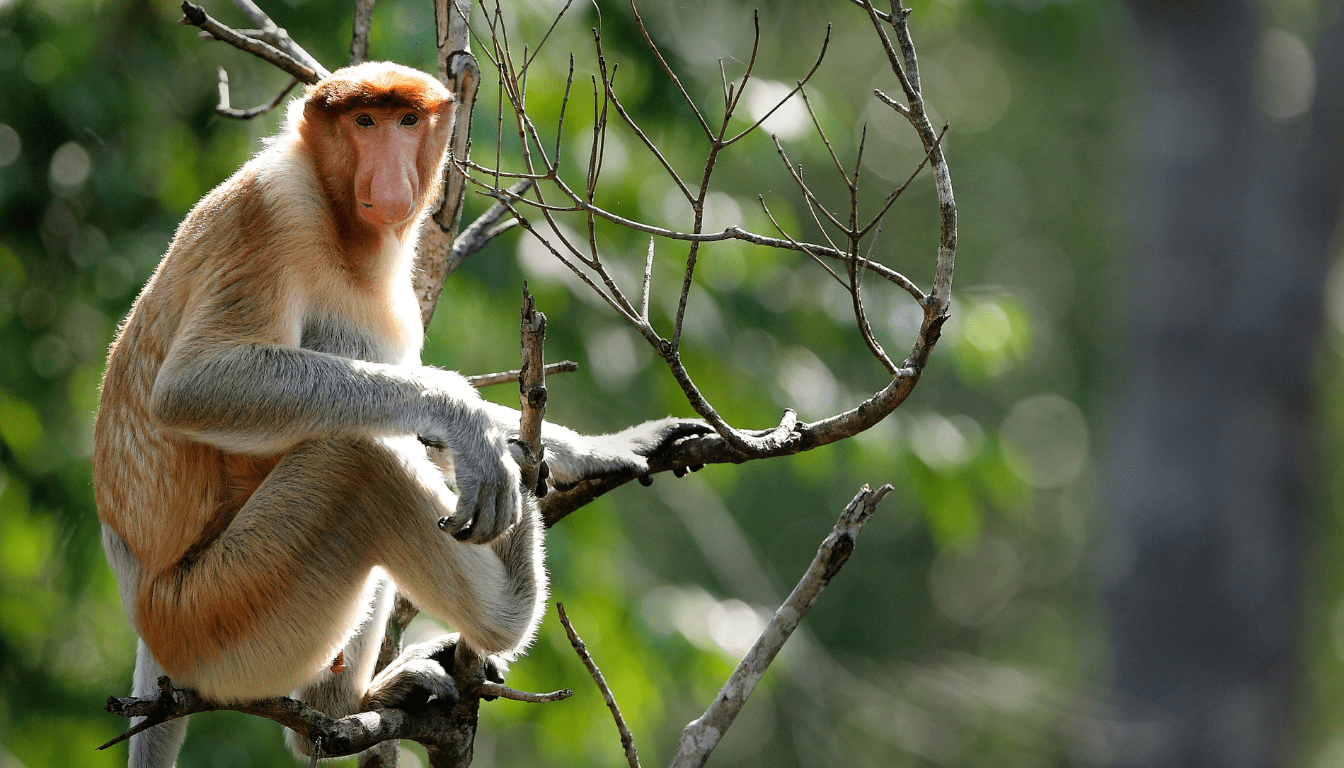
195, 15
702, 734
458, 71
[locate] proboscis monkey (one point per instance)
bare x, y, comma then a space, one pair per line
258, 474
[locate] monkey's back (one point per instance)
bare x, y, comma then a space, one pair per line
162, 493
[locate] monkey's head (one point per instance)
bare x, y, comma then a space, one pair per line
378, 133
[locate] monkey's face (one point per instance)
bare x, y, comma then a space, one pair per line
388, 144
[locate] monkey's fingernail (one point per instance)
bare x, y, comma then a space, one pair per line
646, 480
679, 472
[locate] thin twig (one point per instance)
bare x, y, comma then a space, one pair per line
527, 60
894, 104
484, 229
807, 192
506, 377
648, 280
491, 688
816, 123
801, 247
897, 192
703, 734
630, 121
627, 739
648, 40
224, 110
825, 43
730, 233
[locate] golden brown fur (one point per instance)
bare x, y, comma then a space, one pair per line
256, 461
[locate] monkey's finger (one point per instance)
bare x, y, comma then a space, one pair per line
459, 522
489, 516
696, 467
461, 532
646, 480
679, 471
497, 510
687, 429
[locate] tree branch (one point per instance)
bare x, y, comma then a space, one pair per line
504, 377
195, 15
458, 71
271, 33
433, 725
703, 734
224, 110
627, 739
359, 37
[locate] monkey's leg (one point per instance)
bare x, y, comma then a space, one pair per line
339, 687
158, 746
493, 594
270, 602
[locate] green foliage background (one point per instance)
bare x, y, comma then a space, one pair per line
964, 631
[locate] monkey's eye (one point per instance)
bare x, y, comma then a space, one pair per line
364, 121
409, 120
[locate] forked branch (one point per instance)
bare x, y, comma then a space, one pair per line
854, 243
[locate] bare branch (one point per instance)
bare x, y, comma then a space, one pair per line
224, 110
498, 690
648, 40
731, 233
894, 104
825, 43
797, 175
627, 739
460, 73
485, 228
532, 393
527, 60
714, 449
630, 121
883, 16
506, 377
359, 38
897, 193
907, 71
276, 36
648, 280
804, 249
195, 15
703, 734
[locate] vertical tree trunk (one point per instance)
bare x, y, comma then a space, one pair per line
1212, 440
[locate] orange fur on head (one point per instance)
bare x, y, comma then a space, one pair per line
372, 183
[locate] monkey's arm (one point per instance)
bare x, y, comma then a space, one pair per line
572, 456
265, 398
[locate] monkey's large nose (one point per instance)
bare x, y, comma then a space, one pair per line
389, 198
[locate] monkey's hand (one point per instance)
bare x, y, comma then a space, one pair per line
573, 457
489, 500
421, 671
